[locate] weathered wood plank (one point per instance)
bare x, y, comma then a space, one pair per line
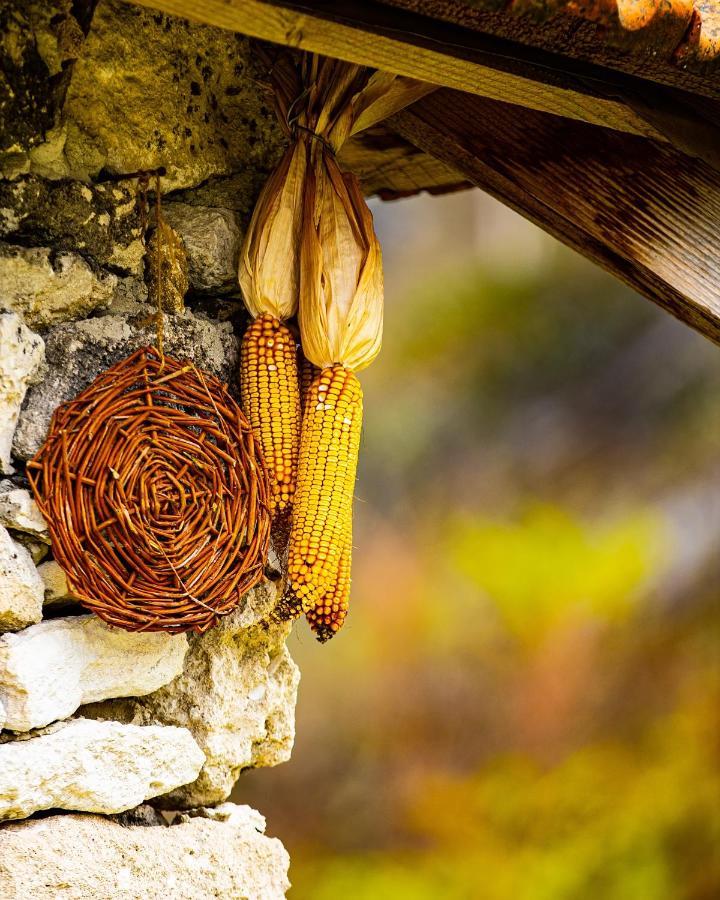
446, 56
641, 209
647, 52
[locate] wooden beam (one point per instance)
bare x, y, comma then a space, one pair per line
648, 52
641, 209
407, 44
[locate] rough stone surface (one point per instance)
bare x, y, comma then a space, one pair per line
92, 766
130, 296
54, 582
21, 588
212, 241
49, 670
38, 41
48, 287
170, 100
20, 512
21, 356
83, 857
144, 814
38, 550
236, 694
78, 351
101, 221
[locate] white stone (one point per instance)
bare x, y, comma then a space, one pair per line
212, 242
55, 583
21, 588
21, 356
38, 550
84, 857
102, 767
227, 812
19, 511
50, 669
49, 287
236, 695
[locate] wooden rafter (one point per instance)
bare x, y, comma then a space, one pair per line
666, 47
641, 209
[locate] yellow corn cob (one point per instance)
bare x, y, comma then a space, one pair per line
307, 373
271, 400
322, 513
326, 617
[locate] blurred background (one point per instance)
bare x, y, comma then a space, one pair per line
523, 704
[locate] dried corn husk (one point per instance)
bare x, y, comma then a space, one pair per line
269, 262
311, 234
341, 279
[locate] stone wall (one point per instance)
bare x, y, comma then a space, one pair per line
101, 730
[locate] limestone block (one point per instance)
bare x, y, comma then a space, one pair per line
37, 549
102, 221
20, 512
236, 695
49, 670
83, 857
38, 40
21, 588
191, 111
78, 351
47, 287
102, 767
212, 242
54, 582
21, 356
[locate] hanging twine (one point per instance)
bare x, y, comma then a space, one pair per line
155, 494
158, 284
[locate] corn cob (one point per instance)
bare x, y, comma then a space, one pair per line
271, 400
326, 617
322, 514
306, 373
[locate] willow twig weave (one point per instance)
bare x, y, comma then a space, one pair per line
156, 496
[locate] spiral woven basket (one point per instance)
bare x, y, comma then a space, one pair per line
156, 496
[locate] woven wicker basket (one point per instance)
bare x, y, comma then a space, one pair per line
156, 496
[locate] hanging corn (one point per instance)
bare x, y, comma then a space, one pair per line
269, 280
311, 248
340, 317
270, 396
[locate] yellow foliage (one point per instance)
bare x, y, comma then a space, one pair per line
548, 567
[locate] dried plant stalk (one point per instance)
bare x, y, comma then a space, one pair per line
166, 268
320, 104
